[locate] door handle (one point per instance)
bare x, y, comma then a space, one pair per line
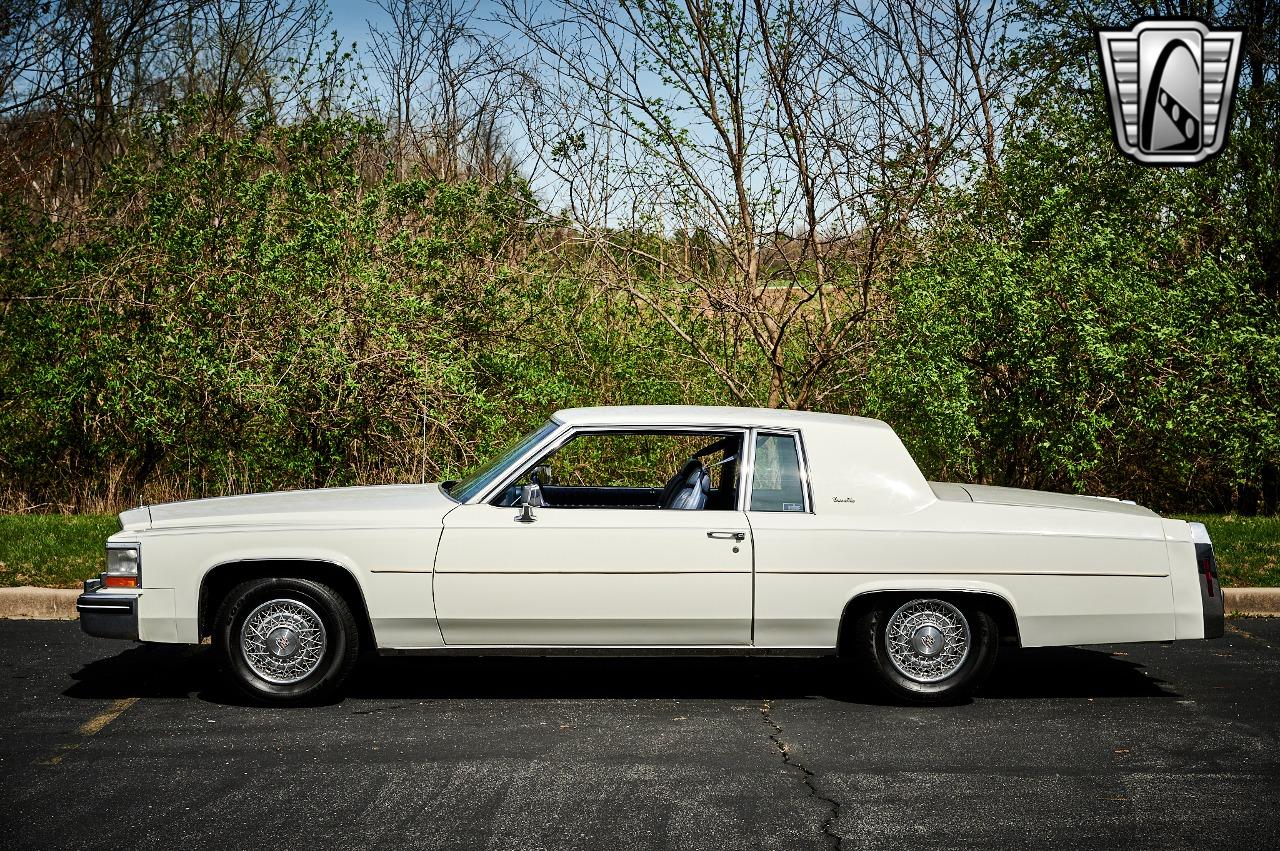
735, 536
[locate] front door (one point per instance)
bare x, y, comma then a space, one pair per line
608, 571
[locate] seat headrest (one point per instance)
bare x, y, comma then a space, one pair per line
678, 481
693, 495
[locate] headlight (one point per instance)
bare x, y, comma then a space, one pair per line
124, 566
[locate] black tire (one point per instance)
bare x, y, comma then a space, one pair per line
329, 665
869, 643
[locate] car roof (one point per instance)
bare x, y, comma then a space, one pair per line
705, 415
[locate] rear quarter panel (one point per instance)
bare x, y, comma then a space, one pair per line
1184, 580
1071, 577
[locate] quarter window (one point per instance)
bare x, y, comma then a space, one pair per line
776, 484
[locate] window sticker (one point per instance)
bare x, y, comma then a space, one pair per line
792, 506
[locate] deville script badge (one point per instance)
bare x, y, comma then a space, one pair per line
1169, 84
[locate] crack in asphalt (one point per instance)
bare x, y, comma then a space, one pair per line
833, 839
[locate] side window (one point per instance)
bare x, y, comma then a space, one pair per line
776, 484
651, 470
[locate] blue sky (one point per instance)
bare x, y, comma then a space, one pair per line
351, 18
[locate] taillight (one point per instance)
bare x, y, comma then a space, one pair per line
1204, 557
1206, 567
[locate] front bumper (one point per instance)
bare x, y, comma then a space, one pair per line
108, 613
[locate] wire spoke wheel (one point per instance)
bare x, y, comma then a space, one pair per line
283, 640
927, 640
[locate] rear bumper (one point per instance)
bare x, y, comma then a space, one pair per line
1211, 600
108, 614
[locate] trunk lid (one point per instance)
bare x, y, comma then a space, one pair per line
994, 495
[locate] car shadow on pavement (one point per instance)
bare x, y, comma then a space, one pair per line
144, 670
1045, 672
1035, 673
175, 672
595, 677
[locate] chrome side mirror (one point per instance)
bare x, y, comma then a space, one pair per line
530, 496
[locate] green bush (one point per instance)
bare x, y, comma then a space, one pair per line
265, 306
1069, 330
255, 305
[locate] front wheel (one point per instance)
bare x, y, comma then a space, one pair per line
286, 640
924, 649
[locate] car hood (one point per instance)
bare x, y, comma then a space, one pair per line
992, 495
360, 507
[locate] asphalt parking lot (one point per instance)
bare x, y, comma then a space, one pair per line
114, 745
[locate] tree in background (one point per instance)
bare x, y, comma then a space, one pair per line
751, 172
1229, 209
1083, 322
77, 75
229, 262
446, 80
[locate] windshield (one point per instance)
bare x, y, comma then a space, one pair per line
482, 477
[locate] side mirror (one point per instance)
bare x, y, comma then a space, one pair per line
530, 496
541, 475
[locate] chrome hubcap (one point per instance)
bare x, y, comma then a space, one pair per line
283, 641
927, 640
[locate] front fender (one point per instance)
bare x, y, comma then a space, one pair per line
390, 568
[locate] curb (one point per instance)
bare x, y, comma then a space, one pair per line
60, 603
1252, 601
39, 603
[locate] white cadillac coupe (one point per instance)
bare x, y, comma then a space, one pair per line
657, 530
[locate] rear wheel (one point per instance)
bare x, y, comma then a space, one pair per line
925, 649
286, 640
